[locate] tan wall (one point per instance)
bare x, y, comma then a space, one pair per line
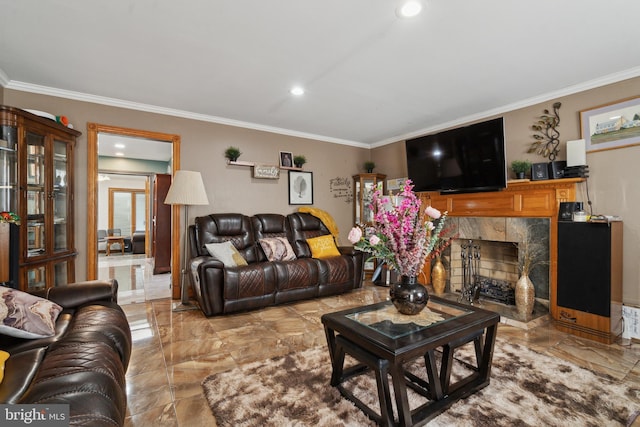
613, 182
229, 188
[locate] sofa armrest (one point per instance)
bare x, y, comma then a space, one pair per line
76, 294
207, 278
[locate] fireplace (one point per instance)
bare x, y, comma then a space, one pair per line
497, 241
525, 199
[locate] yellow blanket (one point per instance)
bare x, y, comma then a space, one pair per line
324, 216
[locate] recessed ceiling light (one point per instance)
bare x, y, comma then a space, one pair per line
119, 154
409, 9
297, 91
119, 145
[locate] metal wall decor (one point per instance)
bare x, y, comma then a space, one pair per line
547, 137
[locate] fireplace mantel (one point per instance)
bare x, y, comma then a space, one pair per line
533, 199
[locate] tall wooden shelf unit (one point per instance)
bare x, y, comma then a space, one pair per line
364, 185
39, 186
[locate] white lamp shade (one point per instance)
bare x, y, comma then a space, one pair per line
187, 188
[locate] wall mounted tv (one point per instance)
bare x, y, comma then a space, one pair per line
461, 160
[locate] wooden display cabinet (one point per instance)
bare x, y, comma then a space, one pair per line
43, 198
364, 185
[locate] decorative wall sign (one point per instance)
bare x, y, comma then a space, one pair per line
611, 126
266, 171
341, 188
300, 188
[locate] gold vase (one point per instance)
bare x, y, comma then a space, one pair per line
438, 277
525, 295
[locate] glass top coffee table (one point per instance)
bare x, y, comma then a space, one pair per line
384, 341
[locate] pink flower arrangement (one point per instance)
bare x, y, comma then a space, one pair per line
401, 236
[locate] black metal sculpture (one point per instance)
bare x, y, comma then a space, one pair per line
548, 137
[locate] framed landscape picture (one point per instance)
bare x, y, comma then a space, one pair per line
611, 126
300, 188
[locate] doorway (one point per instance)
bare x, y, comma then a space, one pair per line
95, 130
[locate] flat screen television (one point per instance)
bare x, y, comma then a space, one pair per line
462, 160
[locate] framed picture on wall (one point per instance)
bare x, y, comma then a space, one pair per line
611, 126
286, 159
300, 188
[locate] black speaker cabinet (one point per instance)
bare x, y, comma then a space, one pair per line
589, 285
556, 169
539, 171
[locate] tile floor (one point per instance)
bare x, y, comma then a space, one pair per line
174, 351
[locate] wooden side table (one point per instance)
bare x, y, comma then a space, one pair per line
115, 239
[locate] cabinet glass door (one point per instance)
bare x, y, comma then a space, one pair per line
36, 278
60, 273
8, 168
60, 196
36, 195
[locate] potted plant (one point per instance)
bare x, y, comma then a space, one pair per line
520, 168
299, 160
368, 166
232, 153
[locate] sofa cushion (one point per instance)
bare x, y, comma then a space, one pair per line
323, 247
304, 226
26, 316
218, 228
227, 253
277, 249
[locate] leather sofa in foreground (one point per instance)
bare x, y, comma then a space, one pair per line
83, 364
287, 277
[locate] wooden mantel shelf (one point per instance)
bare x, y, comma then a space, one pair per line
519, 199
531, 199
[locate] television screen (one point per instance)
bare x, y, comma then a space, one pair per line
466, 159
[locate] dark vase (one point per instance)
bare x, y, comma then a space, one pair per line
409, 296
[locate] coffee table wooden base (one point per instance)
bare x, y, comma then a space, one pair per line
386, 346
438, 390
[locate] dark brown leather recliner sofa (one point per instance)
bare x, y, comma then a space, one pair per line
82, 365
261, 283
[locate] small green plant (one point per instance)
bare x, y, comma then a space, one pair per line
520, 167
232, 153
369, 166
299, 160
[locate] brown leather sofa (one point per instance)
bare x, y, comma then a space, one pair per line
261, 283
82, 365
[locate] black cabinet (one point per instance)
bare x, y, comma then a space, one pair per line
589, 285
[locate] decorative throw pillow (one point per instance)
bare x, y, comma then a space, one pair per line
227, 253
24, 315
277, 249
323, 247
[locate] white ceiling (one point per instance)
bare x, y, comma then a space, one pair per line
370, 77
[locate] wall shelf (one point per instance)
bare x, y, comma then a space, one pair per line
252, 164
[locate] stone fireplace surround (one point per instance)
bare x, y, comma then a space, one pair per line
499, 240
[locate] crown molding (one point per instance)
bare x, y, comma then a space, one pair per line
570, 90
120, 103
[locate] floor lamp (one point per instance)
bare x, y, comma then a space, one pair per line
186, 189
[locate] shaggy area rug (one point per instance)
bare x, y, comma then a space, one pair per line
526, 389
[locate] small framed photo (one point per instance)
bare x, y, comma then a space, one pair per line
286, 159
300, 188
611, 126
